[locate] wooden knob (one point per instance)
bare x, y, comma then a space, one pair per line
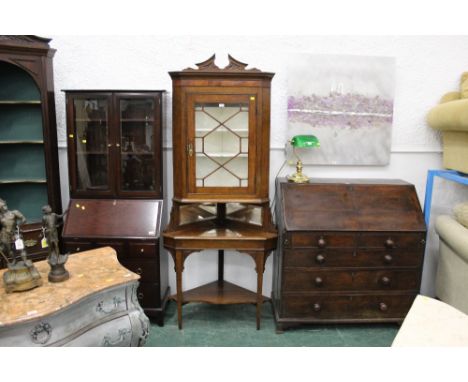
320, 258
142, 250
140, 296
383, 307
317, 307
77, 249
139, 271
321, 242
385, 280
318, 281
388, 259
389, 243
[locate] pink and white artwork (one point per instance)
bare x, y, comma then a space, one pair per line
347, 102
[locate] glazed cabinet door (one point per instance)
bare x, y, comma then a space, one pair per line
139, 145
90, 144
221, 146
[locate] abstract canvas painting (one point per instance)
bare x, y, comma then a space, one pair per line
346, 102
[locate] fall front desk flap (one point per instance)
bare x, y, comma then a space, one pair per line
119, 218
350, 205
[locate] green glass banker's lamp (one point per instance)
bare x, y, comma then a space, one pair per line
301, 141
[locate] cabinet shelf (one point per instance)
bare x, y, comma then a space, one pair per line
222, 155
220, 292
136, 120
92, 153
22, 142
92, 120
20, 102
15, 181
207, 130
136, 153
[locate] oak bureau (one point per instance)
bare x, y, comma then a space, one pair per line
350, 250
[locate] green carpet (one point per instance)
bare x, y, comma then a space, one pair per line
234, 325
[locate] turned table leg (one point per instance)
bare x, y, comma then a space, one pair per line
179, 267
260, 268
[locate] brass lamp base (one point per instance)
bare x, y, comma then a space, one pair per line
298, 176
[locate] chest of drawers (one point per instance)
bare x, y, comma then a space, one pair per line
350, 250
96, 306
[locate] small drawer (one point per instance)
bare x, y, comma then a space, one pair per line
392, 240
147, 269
119, 247
347, 307
321, 258
329, 280
149, 295
77, 246
138, 250
320, 240
314, 257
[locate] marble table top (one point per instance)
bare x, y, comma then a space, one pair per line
90, 272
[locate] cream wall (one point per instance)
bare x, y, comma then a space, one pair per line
426, 68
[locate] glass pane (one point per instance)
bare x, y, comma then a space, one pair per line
91, 129
221, 144
136, 131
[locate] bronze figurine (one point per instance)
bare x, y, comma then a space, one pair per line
21, 275
50, 222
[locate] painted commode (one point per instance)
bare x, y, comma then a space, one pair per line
97, 306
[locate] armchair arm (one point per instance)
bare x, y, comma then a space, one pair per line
453, 234
449, 116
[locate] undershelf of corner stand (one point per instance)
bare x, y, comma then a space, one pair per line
222, 293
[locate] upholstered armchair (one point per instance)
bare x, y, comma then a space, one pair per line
452, 270
450, 117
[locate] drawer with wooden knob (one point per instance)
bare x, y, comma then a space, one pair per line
143, 250
76, 246
318, 307
147, 270
348, 280
347, 257
392, 240
119, 247
320, 240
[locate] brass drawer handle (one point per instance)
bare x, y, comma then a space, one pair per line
318, 281
389, 243
388, 259
116, 301
139, 271
317, 307
41, 333
385, 280
383, 307
321, 242
320, 258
